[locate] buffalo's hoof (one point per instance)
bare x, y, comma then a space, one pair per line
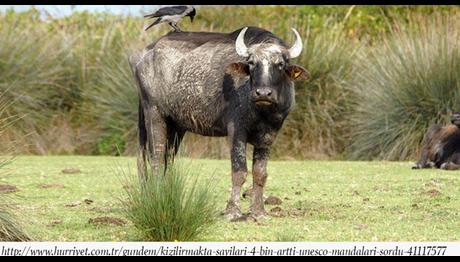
232, 214
445, 166
260, 215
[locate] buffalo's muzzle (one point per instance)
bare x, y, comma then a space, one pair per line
264, 97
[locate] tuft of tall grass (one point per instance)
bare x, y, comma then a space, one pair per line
113, 103
403, 85
171, 207
33, 71
10, 230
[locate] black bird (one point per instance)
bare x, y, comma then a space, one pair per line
172, 15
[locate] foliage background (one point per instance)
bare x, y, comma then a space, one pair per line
380, 76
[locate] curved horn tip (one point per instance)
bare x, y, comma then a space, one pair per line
296, 49
241, 48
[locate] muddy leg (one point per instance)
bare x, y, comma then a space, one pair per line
175, 137
259, 174
156, 137
239, 174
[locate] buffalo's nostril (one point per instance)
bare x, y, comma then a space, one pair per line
263, 92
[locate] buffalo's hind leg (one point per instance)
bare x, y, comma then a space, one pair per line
156, 130
450, 166
174, 139
453, 163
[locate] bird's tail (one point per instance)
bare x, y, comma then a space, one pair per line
154, 23
151, 15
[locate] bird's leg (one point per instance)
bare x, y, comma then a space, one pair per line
176, 28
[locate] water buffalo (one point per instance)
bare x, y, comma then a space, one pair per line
440, 147
237, 84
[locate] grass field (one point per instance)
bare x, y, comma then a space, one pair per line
322, 201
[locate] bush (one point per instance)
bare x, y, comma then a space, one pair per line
10, 230
406, 83
171, 207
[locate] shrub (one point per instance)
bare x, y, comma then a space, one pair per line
403, 85
10, 230
171, 207
33, 71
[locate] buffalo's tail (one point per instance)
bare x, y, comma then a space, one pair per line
142, 136
141, 128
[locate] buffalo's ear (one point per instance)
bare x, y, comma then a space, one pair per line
296, 72
238, 69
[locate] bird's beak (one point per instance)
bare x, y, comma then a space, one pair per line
191, 18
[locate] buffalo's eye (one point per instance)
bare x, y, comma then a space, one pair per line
281, 65
251, 63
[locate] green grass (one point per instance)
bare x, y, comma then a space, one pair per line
327, 201
177, 206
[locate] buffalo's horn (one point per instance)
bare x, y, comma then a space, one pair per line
296, 49
241, 48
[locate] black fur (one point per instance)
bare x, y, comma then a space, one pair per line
441, 146
234, 108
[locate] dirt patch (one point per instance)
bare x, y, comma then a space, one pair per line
297, 212
277, 212
71, 170
107, 221
361, 227
46, 186
432, 193
56, 222
273, 200
343, 205
74, 204
8, 189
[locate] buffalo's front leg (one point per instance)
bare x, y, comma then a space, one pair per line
239, 174
259, 174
